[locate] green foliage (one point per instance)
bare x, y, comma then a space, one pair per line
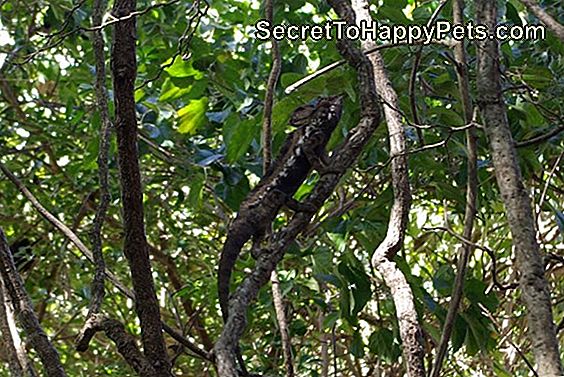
200, 113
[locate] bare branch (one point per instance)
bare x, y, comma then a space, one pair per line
124, 342
546, 18
540, 138
103, 173
471, 191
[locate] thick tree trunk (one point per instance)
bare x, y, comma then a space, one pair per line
534, 287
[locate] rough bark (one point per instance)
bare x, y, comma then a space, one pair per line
534, 287
342, 159
136, 250
24, 313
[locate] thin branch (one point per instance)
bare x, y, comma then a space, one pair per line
282, 324
471, 191
540, 138
269, 95
342, 62
411, 90
61, 36
545, 18
184, 40
266, 162
474, 245
103, 173
517, 349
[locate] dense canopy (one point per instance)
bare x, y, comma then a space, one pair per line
131, 132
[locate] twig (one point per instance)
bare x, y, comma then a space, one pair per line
62, 36
489, 251
517, 349
184, 40
540, 138
460, 63
341, 62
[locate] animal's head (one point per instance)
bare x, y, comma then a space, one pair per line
320, 110
330, 107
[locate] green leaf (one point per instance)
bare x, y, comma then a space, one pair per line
512, 14
183, 68
479, 334
196, 189
238, 135
170, 92
458, 333
475, 292
353, 271
382, 343
330, 320
395, 15
538, 77
357, 345
289, 78
443, 280
192, 116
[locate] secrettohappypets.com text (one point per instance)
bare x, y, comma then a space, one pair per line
397, 33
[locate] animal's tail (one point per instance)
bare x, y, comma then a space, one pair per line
235, 241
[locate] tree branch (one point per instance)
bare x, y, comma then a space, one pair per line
471, 191
545, 18
25, 315
135, 247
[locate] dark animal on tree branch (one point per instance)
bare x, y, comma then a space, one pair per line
303, 150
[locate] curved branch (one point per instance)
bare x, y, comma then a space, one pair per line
545, 18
